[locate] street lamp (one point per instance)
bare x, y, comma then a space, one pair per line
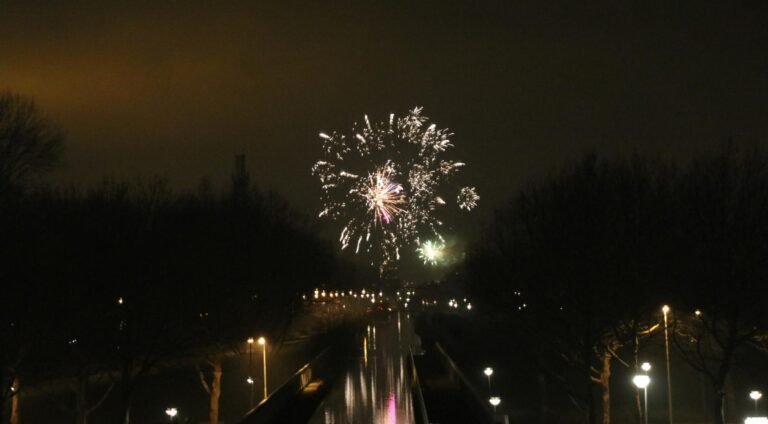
171, 412
645, 366
249, 380
642, 381
250, 367
263, 342
488, 371
755, 395
665, 310
495, 401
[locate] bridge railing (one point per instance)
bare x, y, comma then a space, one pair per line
420, 408
279, 399
480, 405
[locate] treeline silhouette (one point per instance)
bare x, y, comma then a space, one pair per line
575, 269
121, 278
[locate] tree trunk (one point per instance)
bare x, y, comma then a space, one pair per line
638, 403
543, 398
127, 387
605, 386
15, 402
81, 399
719, 407
588, 398
126, 398
719, 385
213, 414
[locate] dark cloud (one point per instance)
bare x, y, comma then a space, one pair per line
178, 87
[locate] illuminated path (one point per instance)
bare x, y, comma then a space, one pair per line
375, 389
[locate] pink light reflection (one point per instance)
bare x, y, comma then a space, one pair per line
391, 409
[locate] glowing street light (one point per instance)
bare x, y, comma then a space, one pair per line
755, 395
250, 368
495, 401
645, 366
665, 311
642, 381
263, 343
488, 371
171, 412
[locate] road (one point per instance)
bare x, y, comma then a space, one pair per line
375, 388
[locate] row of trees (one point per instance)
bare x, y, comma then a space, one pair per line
577, 265
102, 286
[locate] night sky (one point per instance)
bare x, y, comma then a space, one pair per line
178, 87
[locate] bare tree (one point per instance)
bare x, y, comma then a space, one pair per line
29, 141
724, 204
571, 256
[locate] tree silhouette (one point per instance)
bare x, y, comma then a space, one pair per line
573, 261
723, 223
110, 284
29, 142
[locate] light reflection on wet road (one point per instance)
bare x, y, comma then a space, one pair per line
375, 388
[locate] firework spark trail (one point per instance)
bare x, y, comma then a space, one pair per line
387, 182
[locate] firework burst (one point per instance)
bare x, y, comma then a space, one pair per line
431, 252
384, 197
386, 182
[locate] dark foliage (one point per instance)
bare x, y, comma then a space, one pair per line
29, 142
578, 265
125, 278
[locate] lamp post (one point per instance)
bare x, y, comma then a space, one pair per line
665, 310
488, 371
249, 380
755, 395
250, 367
495, 401
263, 343
642, 381
171, 412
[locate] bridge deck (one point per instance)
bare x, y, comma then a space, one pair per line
375, 388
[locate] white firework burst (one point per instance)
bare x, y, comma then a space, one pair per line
386, 181
431, 252
467, 198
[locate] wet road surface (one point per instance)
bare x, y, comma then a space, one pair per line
375, 388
